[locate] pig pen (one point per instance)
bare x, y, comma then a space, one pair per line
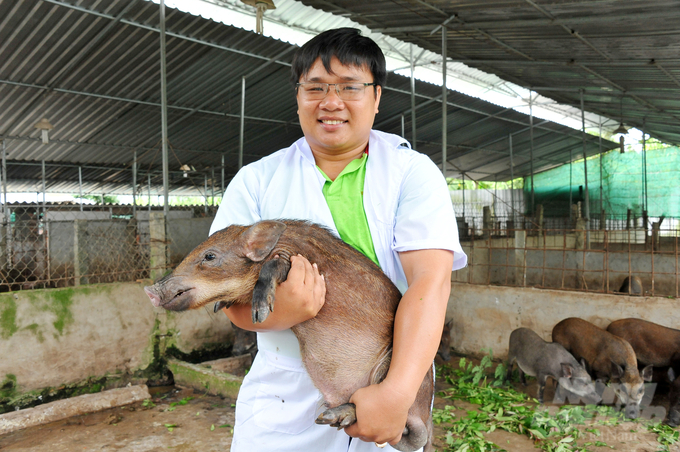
53, 340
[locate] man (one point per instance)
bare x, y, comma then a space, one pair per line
381, 197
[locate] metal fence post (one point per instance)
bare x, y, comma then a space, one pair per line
164, 113
134, 185
520, 262
241, 136
413, 101
80, 256
444, 105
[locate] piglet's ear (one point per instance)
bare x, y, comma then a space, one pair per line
567, 370
261, 238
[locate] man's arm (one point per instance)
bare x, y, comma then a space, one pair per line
382, 408
299, 298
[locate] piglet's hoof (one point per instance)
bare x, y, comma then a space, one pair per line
341, 416
262, 307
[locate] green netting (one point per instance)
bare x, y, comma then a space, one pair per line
622, 184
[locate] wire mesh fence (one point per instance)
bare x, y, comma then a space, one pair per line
43, 246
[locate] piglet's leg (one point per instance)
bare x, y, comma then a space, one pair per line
341, 416
273, 273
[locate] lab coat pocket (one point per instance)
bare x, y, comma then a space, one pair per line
287, 404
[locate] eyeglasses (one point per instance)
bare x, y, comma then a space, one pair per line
345, 91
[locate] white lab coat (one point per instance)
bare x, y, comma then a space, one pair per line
407, 206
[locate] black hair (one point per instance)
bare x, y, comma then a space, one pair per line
348, 46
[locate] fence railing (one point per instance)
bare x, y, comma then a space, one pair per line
58, 246
590, 260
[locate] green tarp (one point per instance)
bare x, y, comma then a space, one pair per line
622, 185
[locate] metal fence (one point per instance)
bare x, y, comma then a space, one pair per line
591, 260
61, 245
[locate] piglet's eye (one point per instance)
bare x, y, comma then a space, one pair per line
209, 257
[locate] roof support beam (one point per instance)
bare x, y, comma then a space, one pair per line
529, 23
668, 74
168, 33
479, 112
569, 30
610, 63
68, 66
143, 102
116, 146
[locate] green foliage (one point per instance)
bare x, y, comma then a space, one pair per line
666, 435
99, 199
174, 405
457, 184
504, 408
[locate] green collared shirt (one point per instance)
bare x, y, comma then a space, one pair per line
345, 199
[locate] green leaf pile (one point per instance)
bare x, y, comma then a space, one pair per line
502, 407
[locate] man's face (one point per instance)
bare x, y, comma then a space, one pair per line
333, 126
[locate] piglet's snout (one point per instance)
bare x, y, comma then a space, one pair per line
151, 293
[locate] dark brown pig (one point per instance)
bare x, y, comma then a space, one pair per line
674, 398
444, 350
347, 346
657, 346
244, 342
609, 357
654, 344
538, 358
632, 286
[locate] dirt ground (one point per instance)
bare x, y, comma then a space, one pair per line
184, 420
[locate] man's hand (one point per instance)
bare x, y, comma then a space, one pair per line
381, 414
299, 298
304, 288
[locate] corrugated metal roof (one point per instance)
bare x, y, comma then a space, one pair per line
623, 54
92, 69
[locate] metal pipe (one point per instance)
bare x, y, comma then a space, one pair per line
212, 185
43, 186
444, 93
8, 231
571, 201
80, 186
134, 185
171, 34
413, 101
205, 192
602, 218
531, 148
148, 175
4, 181
403, 132
644, 165
164, 114
243, 123
585, 163
222, 176
512, 182
463, 196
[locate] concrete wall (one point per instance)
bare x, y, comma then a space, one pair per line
484, 316
55, 337
184, 235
